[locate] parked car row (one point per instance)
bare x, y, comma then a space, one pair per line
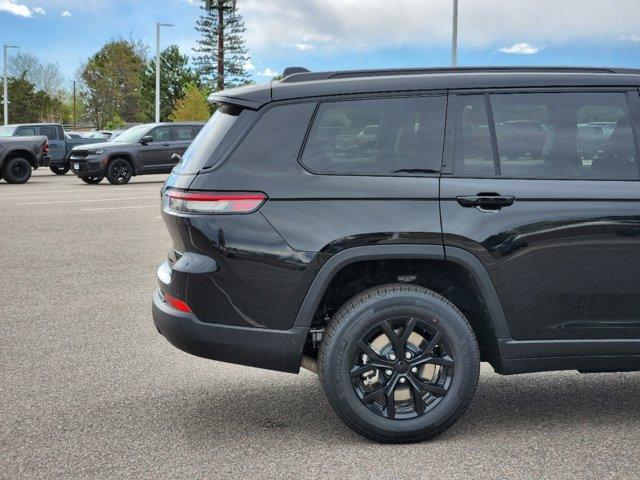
116, 155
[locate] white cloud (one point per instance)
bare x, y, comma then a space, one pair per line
374, 24
267, 73
521, 48
38, 10
249, 66
66, 13
14, 8
304, 46
631, 38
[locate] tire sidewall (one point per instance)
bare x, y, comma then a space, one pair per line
8, 173
59, 169
110, 175
338, 356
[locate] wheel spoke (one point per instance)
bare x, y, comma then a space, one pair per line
422, 387
411, 324
358, 371
376, 359
397, 342
446, 361
371, 396
391, 401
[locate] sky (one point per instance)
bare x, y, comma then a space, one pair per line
343, 34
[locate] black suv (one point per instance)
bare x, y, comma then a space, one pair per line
393, 229
143, 149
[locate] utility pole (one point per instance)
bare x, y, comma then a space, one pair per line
158, 25
74, 105
454, 39
5, 98
220, 6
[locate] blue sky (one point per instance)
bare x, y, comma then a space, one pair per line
344, 34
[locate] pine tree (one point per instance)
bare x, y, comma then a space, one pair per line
221, 52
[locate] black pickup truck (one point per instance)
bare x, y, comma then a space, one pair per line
20, 156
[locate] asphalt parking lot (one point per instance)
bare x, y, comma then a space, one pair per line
90, 390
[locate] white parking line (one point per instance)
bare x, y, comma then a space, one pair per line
89, 201
119, 208
68, 195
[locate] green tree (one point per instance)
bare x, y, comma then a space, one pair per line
112, 82
115, 123
30, 105
175, 74
192, 107
221, 52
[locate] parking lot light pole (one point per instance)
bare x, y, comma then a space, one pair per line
454, 38
5, 93
158, 25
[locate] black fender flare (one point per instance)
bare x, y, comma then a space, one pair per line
30, 157
455, 255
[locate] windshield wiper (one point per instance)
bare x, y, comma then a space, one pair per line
416, 170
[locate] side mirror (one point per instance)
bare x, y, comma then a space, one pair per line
146, 139
175, 158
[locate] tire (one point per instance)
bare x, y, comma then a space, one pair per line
16, 170
442, 362
91, 180
119, 171
59, 169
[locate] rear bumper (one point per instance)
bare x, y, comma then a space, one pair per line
45, 161
255, 347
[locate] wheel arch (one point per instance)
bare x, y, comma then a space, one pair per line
124, 156
463, 259
19, 152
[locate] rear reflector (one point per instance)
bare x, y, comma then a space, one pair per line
215, 202
177, 304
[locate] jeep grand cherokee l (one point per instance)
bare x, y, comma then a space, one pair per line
141, 150
394, 266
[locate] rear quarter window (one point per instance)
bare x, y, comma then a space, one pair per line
214, 137
389, 136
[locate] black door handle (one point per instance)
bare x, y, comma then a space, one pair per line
486, 202
166, 144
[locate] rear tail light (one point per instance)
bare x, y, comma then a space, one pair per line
176, 303
45, 149
215, 202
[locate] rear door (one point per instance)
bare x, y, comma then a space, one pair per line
156, 155
552, 213
57, 145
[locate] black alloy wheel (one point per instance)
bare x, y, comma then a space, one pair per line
401, 368
59, 169
92, 180
119, 172
16, 170
399, 363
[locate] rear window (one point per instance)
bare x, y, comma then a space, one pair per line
390, 136
202, 152
7, 131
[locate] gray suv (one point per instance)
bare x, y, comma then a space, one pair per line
143, 149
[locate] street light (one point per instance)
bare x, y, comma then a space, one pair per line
6, 88
158, 25
454, 39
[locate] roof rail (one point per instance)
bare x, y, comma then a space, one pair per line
300, 74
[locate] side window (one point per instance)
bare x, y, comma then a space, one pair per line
161, 134
184, 132
49, 131
25, 131
473, 152
565, 135
391, 136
